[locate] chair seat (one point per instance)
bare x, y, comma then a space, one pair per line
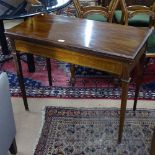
140, 20
151, 40
97, 17
151, 44
150, 50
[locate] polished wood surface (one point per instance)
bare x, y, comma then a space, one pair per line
81, 34
108, 47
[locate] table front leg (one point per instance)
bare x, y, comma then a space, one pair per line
139, 79
18, 66
3, 40
125, 84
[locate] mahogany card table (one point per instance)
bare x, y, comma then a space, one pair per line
113, 48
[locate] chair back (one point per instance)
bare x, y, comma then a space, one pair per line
124, 18
153, 9
111, 9
78, 8
131, 11
112, 5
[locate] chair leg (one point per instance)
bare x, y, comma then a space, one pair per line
72, 70
30, 62
48, 64
13, 147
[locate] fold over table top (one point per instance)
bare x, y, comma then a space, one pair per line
82, 35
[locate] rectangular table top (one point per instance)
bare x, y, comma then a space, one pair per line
82, 35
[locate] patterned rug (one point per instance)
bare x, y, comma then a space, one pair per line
81, 131
89, 83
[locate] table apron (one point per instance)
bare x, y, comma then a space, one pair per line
70, 56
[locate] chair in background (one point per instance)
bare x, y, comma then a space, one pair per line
7, 123
128, 2
134, 15
96, 13
151, 42
140, 16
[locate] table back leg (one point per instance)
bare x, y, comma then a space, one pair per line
3, 40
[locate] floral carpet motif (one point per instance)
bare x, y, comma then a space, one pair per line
83, 131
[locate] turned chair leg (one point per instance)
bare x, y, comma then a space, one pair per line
72, 70
13, 147
30, 63
48, 64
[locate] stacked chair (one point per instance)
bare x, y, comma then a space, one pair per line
96, 13
139, 16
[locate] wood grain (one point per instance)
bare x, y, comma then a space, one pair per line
120, 41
